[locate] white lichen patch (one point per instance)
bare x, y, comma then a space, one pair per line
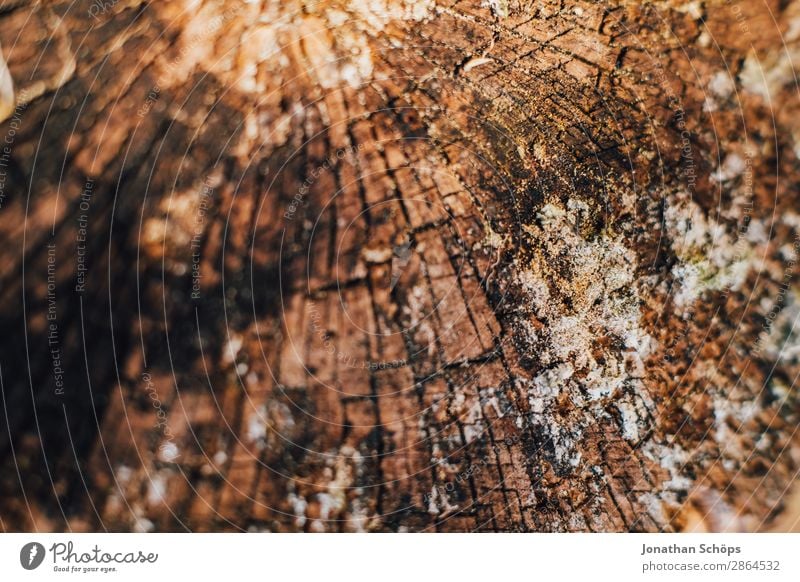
630, 420
589, 339
711, 258
721, 85
780, 341
257, 428
439, 504
343, 498
673, 459
499, 8
168, 452
7, 98
473, 423
694, 8
123, 473
545, 386
597, 280
143, 525
232, 347
768, 76
157, 488
299, 506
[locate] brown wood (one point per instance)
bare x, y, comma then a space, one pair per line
448, 266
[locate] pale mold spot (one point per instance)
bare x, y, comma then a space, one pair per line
768, 76
257, 428
654, 507
711, 258
143, 525
439, 504
7, 99
168, 452
499, 8
599, 280
220, 457
124, 474
232, 348
299, 506
722, 85
157, 489
630, 420
694, 8
732, 167
473, 423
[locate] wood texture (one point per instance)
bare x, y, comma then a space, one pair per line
387, 266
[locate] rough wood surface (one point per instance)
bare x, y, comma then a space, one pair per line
399, 266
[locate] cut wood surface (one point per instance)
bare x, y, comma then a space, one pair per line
399, 266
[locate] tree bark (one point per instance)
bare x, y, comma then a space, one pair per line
395, 266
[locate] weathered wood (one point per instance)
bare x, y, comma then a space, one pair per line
446, 266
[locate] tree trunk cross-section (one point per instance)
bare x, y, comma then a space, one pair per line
443, 265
